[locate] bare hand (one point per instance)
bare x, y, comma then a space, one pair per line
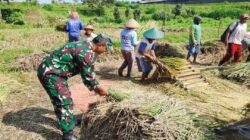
101, 91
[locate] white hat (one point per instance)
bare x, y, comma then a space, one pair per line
89, 27
131, 23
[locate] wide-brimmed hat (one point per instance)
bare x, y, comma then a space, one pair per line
89, 27
131, 23
153, 33
244, 16
105, 39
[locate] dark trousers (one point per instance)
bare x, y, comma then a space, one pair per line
73, 38
128, 62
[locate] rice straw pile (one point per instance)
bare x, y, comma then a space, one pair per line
239, 73
139, 116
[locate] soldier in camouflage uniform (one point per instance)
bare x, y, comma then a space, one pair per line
67, 61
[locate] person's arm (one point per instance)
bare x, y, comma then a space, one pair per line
134, 39
191, 32
67, 26
230, 29
141, 49
81, 25
153, 51
227, 38
88, 75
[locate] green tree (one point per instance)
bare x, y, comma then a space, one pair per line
177, 10
117, 14
127, 12
137, 13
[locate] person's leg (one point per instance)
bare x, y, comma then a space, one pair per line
124, 64
147, 67
130, 61
238, 53
248, 58
190, 51
58, 91
71, 39
196, 53
230, 52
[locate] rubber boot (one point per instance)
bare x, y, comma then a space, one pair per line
69, 136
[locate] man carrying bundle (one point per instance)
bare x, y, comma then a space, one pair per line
71, 59
145, 52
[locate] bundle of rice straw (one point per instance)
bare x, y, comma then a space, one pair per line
239, 72
168, 66
141, 116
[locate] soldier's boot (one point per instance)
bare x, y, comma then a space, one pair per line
69, 136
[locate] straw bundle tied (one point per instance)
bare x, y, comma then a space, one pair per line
139, 116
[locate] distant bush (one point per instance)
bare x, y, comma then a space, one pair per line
134, 6
15, 18
103, 19
121, 4
48, 7
223, 13
190, 12
100, 11
159, 16
150, 10
146, 18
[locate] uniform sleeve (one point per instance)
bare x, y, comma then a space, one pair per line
134, 39
89, 77
86, 68
142, 47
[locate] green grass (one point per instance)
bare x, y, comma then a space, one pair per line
10, 54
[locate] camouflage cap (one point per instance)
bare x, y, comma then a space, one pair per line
104, 38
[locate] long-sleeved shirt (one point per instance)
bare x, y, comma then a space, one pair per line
71, 59
128, 39
74, 26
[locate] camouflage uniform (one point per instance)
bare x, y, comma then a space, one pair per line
67, 61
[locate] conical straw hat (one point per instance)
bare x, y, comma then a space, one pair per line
89, 27
131, 23
153, 33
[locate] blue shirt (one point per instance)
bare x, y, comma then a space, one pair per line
128, 39
74, 26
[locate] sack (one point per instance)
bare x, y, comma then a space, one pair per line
223, 36
246, 42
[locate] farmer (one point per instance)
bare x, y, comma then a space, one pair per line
246, 43
145, 52
128, 43
234, 40
67, 61
194, 39
74, 26
89, 35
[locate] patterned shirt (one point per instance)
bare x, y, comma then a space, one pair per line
128, 39
71, 59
